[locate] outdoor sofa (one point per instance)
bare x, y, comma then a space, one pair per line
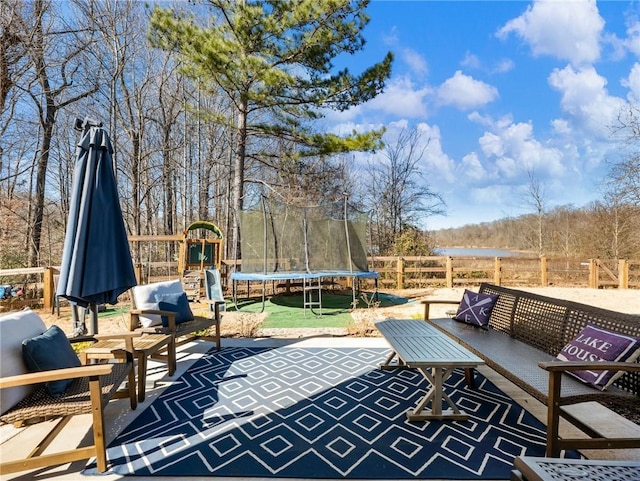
526, 332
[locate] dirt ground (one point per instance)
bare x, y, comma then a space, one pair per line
241, 324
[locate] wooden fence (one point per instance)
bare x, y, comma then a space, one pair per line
443, 271
38, 283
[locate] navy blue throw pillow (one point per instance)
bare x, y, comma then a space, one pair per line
50, 350
177, 303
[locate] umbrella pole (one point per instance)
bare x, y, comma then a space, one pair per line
93, 326
79, 327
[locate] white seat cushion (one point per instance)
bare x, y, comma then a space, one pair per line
146, 297
15, 327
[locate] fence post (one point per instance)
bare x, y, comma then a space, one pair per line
48, 288
449, 273
623, 274
137, 269
400, 273
544, 273
497, 271
593, 274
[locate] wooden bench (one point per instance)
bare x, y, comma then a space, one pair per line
526, 332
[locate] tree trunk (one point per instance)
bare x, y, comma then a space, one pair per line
238, 177
47, 119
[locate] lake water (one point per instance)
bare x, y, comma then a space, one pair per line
478, 252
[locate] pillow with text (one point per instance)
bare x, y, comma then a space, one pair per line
594, 344
475, 308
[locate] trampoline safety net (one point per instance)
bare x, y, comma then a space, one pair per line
277, 237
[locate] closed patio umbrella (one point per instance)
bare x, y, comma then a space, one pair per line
96, 261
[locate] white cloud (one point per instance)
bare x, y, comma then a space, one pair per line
435, 160
416, 62
465, 92
492, 194
478, 118
514, 151
586, 100
504, 66
632, 42
436, 165
391, 38
345, 127
568, 30
470, 61
632, 82
401, 98
472, 168
561, 126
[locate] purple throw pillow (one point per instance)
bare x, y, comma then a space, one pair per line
597, 344
475, 308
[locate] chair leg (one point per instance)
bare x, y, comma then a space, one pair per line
553, 414
217, 315
142, 375
132, 388
98, 423
171, 356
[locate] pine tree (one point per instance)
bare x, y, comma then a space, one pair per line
274, 61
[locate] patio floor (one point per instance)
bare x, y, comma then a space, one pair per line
118, 414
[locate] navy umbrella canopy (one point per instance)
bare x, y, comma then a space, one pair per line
96, 261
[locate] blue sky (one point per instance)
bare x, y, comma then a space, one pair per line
502, 89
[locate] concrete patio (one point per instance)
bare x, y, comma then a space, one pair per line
16, 442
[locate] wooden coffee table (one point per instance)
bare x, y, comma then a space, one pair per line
418, 345
144, 346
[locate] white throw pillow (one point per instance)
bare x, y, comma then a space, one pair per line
15, 327
145, 297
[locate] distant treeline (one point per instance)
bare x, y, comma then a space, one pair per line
597, 231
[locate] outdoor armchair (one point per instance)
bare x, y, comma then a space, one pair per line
29, 397
163, 307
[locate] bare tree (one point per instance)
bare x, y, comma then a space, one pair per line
57, 77
537, 200
400, 196
624, 175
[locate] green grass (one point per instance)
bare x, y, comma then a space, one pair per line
286, 311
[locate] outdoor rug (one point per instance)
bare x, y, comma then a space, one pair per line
319, 413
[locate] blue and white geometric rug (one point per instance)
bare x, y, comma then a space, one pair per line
320, 413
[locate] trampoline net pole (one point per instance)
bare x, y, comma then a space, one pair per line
346, 231
305, 240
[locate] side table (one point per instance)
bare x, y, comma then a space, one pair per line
555, 469
143, 347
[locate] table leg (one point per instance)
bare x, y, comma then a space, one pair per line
436, 394
399, 364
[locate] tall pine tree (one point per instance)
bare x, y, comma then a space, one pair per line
274, 62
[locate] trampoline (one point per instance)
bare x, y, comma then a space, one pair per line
311, 284
292, 243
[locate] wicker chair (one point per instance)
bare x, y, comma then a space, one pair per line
89, 392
